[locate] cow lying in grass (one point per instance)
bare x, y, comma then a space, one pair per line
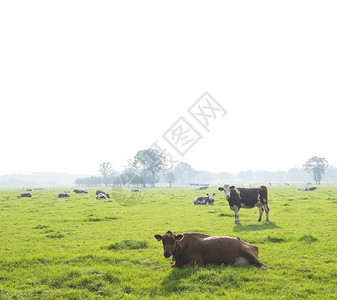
25, 195
80, 191
62, 195
195, 249
102, 196
205, 200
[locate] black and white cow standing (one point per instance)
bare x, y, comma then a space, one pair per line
246, 198
205, 200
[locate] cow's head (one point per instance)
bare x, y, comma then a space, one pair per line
226, 189
170, 242
210, 200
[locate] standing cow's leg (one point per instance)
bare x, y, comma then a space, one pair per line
266, 208
261, 212
236, 213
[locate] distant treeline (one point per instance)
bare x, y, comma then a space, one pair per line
293, 175
184, 174
126, 178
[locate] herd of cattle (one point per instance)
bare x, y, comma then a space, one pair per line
190, 249
99, 194
237, 198
195, 249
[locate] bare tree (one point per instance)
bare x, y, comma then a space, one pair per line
106, 170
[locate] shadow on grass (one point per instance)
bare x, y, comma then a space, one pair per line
174, 281
197, 279
254, 227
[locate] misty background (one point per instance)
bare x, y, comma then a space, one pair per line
87, 82
183, 176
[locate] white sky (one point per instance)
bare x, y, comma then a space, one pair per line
83, 82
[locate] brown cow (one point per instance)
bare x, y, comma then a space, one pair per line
195, 249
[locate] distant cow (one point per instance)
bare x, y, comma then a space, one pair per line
62, 195
80, 191
307, 188
135, 190
29, 190
201, 188
102, 196
246, 198
99, 192
195, 249
205, 200
25, 195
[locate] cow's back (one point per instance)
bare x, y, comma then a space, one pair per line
252, 196
212, 249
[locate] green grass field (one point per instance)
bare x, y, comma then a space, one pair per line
83, 248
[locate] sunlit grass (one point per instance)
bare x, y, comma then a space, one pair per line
83, 248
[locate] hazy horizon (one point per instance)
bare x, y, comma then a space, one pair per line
86, 82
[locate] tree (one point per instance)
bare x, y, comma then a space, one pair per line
109, 179
170, 178
317, 166
148, 164
105, 169
184, 173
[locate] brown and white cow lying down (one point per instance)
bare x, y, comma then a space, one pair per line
205, 200
25, 195
246, 198
195, 249
102, 196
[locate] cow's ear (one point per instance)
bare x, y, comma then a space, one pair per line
158, 237
179, 237
207, 195
220, 189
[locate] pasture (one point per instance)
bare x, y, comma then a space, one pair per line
83, 248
